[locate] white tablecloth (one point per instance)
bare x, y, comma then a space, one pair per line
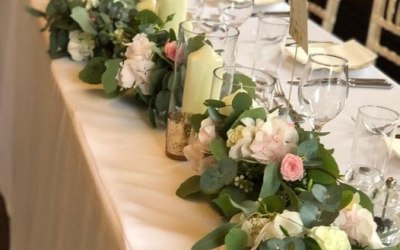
80, 171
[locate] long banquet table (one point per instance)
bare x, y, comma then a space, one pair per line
80, 171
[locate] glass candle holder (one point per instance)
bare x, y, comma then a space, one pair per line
202, 47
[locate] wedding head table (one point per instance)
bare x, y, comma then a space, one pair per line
81, 171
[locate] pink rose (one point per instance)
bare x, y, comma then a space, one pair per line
292, 168
170, 50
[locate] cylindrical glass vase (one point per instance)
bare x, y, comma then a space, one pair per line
202, 47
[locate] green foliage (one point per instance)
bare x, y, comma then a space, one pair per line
81, 16
236, 239
219, 175
93, 71
271, 181
244, 81
241, 102
218, 149
189, 187
215, 238
108, 78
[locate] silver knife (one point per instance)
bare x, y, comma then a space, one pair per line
362, 83
272, 13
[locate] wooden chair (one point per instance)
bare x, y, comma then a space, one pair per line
327, 14
385, 15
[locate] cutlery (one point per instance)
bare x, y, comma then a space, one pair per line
272, 13
361, 83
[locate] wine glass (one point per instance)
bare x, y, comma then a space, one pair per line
235, 12
323, 89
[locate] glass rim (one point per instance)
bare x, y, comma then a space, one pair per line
284, 23
273, 78
210, 24
312, 58
361, 109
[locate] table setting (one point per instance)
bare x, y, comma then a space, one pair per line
220, 131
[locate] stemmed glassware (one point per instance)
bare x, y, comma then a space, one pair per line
235, 12
323, 88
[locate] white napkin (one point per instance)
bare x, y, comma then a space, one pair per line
264, 2
357, 55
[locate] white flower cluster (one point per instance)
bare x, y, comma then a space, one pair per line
90, 4
263, 141
80, 45
354, 224
135, 70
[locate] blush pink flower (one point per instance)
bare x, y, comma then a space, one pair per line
273, 140
170, 50
292, 168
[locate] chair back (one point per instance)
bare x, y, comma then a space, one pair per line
327, 14
385, 15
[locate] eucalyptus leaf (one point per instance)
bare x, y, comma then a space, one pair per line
214, 114
218, 149
272, 244
311, 244
162, 101
35, 12
108, 78
214, 103
81, 16
215, 177
242, 101
223, 202
272, 204
320, 193
365, 201
215, 238
307, 148
309, 213
257, 113
189, 187
195, 121
148, 17
294, 200
92, 73
156, 78
236, 239
247, 207
271, 180
321, 176
194, 43
347, 197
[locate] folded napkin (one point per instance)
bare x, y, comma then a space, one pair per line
357, 55
264, 2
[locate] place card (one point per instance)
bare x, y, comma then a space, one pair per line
298, 28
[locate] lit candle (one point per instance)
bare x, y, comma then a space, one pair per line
146, 5
199, 78
169, 7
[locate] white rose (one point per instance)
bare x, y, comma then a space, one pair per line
135, 73
359, 225
252, 227
330, 238
241, 149
92, 4
80, 45
140, 46
291, 221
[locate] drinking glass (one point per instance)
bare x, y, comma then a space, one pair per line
235, 12
372, 147
270, 44
323, 88
194, 9
230, 80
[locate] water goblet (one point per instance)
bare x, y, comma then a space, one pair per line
235, 12
323, 89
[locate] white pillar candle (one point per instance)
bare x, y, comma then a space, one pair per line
199, 78
146, 5
169, 7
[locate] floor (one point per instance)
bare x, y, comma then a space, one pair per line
4, 227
